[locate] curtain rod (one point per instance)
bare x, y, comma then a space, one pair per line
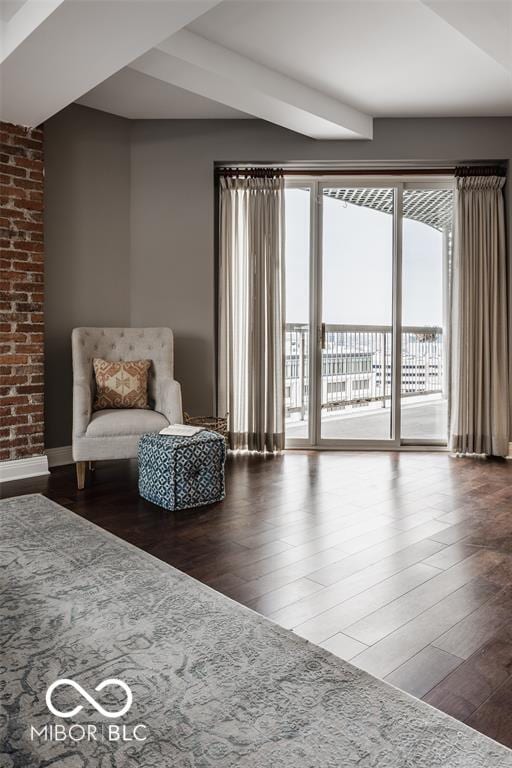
370, 172
333, 171
462, 170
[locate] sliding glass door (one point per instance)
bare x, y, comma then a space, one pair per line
367, 291
356, 382
298, 239
426, 257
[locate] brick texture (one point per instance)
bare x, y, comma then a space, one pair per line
21, 292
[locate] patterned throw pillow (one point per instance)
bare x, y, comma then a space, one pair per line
121, 385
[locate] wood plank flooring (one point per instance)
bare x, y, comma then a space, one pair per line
401, 563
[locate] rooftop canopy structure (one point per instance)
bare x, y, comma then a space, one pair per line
429, 206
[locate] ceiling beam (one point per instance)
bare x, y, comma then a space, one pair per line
55, 51
191, 62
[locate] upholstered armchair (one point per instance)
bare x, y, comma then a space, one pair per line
114, 433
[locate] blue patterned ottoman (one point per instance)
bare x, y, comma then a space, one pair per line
181, 472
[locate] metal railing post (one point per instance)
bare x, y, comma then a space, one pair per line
302, 382
384, 367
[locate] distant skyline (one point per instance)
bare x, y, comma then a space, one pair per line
357, 279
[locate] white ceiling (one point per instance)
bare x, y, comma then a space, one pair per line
384, 58
324, 68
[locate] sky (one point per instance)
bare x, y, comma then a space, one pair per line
357, 265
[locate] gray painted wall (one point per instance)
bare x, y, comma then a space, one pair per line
87, 234
172, 219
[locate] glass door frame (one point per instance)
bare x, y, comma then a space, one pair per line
309, 441
316, 185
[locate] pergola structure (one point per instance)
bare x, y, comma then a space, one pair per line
433, 207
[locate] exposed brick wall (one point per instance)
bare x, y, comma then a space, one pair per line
21, 292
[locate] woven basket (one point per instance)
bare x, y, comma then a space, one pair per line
213, 423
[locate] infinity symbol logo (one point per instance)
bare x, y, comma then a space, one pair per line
89, 698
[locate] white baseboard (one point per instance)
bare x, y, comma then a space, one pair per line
58, 457
19, 469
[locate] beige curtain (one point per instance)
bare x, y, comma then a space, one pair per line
251, 317
480, 411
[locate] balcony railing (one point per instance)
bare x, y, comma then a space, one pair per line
357, 365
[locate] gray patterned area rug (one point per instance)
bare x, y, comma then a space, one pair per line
191, 678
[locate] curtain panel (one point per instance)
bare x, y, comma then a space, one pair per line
480, 404
251, 311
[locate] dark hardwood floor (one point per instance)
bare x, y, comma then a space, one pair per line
401, 563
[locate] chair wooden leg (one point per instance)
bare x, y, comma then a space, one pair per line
92, 466
80, 474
